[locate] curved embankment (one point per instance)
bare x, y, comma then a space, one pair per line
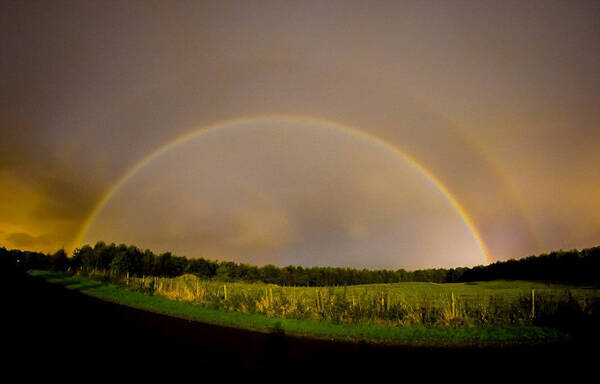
51, 319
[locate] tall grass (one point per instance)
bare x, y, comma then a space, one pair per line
498, 303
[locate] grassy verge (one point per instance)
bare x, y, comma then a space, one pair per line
455, 337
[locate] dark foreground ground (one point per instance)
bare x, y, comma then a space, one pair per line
48, 327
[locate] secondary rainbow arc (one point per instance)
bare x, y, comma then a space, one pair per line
283, 118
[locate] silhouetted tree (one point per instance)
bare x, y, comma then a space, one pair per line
579, 267
59, 261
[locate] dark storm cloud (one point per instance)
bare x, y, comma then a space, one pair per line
21, 239
26, 241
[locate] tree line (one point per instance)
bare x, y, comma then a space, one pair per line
574, 266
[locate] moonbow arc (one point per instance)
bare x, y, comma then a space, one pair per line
279, 118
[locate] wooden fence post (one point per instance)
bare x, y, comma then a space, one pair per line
532, 303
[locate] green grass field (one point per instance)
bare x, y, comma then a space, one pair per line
481, 314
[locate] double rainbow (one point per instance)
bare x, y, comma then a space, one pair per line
286, 119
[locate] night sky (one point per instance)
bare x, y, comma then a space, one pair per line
367, 134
